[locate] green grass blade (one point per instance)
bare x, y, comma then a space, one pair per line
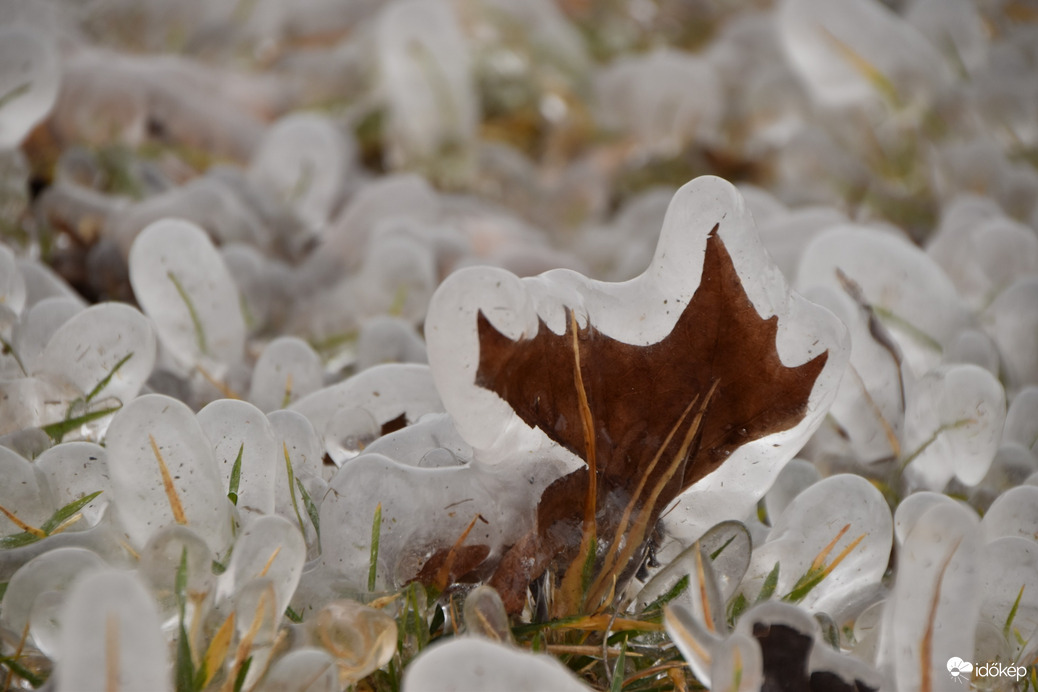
67, 512
232, 490
195, 319
767, 590
239, 681
618, 670
107, 378
57, 431
311, 510
376, 530
292, 489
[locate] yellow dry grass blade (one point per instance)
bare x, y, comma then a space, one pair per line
167, 483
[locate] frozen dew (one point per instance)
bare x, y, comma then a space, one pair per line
303, 670
932, 612
182, 283
474, 664
298, 467
360, 638
288, 370
244, 445
74, 470
953, 425
163, 473
304, 159
50, 573
110, 637
30, 74
271, 548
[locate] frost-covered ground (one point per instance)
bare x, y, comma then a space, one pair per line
278, 413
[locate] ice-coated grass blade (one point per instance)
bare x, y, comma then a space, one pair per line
203, 347
57, 431
232, 490
311, 510
376, 530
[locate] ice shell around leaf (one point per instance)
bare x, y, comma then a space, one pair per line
30, 74
110, 637
641, 311
474, 664
74, 470
810, 523
953, 425
270, 547
54, 571
235, 427
303, 670
109, 341
182, 283
288, 370
145, 496
937, 584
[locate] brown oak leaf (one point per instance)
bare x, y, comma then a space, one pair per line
648, 420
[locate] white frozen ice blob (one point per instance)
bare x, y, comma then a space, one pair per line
304, 159
302, 670
846, 50
23, 492
242, 436
474, 664
30, 73
12, 285
424, 61
270, 547
286, 371
111, 637
106, 351
182, 283
163, 473
74, 470
52, 572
